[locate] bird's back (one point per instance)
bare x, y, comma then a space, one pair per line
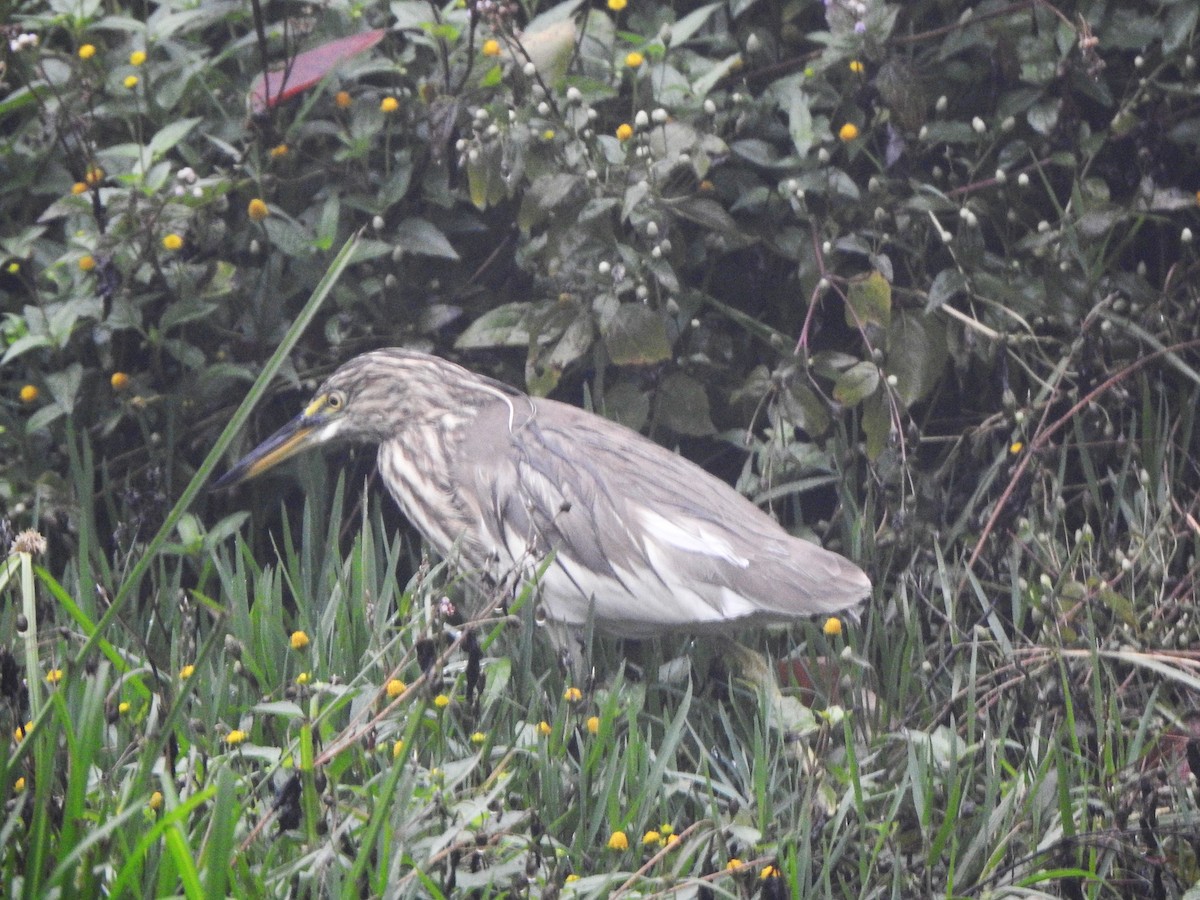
648, 537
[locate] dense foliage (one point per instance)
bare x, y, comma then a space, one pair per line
919, 277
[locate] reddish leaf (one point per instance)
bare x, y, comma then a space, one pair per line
308, 69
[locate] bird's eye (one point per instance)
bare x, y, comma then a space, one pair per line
334, 401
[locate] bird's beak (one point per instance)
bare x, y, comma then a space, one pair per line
297, 435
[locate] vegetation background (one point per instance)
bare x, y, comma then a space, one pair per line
921, 278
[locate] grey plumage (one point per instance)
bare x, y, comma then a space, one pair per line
644, 540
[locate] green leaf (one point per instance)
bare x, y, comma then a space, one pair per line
417, 235
876, 424
170, 135
636, 335
683, 405
869, 301
547, 194
916, 354
859, 381
504, 326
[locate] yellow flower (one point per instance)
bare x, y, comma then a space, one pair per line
667, 828
137, 57
857, 67
93, 176
54, 676
848, 132
29, 393
303, 678
342, 99
624, 131
87, 262
634, 59
123, 707
1016, 447
491, 47
543, 728
19, 785
769, 872
13, 268
618, 841
131, 81
155, 802
734, 864
672, 840
397, 749
78, 188
235, 737
441, 701
572, 695
87, 51
569, 878
119, 381
617, 5
548, 134
19, 733
478, 737
651, 837
395, 688
389, 104
172, 241
257, 211
832, 626
593, 724
187, 671
298, 640
706, 187
279, 150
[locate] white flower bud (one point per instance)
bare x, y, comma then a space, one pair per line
377, 223
710, 108
753, 44
574, 95
659, 115
1186, 235
979, 125
641, 120
592, 174
652, 229
942, 103
605, 267
529, 69
1043, 226
1001, 176
543, 108
1023, 179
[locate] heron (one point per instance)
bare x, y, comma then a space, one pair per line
637, 540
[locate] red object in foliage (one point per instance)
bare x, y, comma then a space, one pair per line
308, 69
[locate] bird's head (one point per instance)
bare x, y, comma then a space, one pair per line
348, 406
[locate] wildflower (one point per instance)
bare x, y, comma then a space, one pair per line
1016, 447
342, 99
29, 393
769, 872
572, 876
187, 672
572, 695
651, 837
672, 840
87, 262
624, 131
298, 640
441, 701
618, 841
848, 132
29, 541
478, 737
123, 708
54, 676
634, 59
856, 67
119, 381
235, 737
172, 242
397, 749
257, 211
131, 81
543, 728
137, 57
667, 828
303, 678
13, 268
593, 724
279, 150
832, 627
87, 51
395, 688
548, 134
19, 785
20, 733
93, 176
389, 104
617, 5
78, 188
156, 801
734, 864
491, 47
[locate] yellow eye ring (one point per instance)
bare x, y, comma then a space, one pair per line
334, 401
